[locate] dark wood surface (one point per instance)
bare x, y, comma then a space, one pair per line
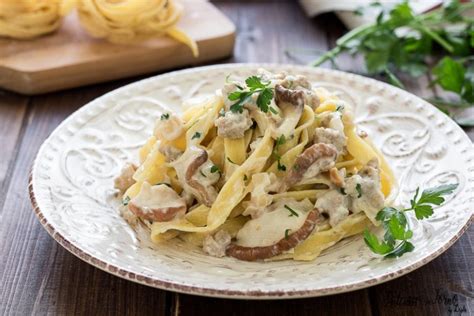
39, 277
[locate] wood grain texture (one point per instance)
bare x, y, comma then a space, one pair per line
38, 277
71, 58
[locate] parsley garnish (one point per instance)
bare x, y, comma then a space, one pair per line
202, 173
359, 190
292, 211
221, 113
196, 135
397, 231
279, 141
287, 231
228, 159
126, 200
343, 191
215, 169
164, 116
245, 177
254, 85
340, 108
424, 46
281, 166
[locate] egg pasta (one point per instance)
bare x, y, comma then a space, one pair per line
270, 168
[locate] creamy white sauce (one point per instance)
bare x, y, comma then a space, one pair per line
155, 197
269, 228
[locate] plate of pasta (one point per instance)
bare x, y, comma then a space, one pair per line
256, 181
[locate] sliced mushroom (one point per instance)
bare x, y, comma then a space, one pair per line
157, 203
314, 160
194, 172
284, 244
291, 105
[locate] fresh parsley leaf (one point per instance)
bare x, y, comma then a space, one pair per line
196, 135
396, 226
215, 169
423, 206
126, 200
287, 231
402, 248
375, 245
449, 74
292, 211
359, 190
264, 99
255, 83
164, 116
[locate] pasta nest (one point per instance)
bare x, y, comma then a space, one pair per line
25, 19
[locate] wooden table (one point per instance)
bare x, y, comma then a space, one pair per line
37, 276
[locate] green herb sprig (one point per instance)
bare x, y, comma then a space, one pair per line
254, 85
395, 224
417, 44
292, 211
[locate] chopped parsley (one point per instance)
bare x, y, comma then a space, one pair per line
229, 160
281, 166
287, 231
340, 108
254, 85
292, 211
245, 177
221, 113
215, 169
164, 116
359, 190
279, 141
126, 200
202, 173
196, 135
343, 191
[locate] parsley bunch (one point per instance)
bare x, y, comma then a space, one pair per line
394, 221
417, 44
254, 85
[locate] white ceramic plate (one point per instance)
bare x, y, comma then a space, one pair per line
72, 180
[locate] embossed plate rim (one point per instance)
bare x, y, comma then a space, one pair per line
209, 290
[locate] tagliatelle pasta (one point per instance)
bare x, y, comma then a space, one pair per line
127, 21
268, 169
25, 19
118, 21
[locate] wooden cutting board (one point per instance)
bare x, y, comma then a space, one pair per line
71, 58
